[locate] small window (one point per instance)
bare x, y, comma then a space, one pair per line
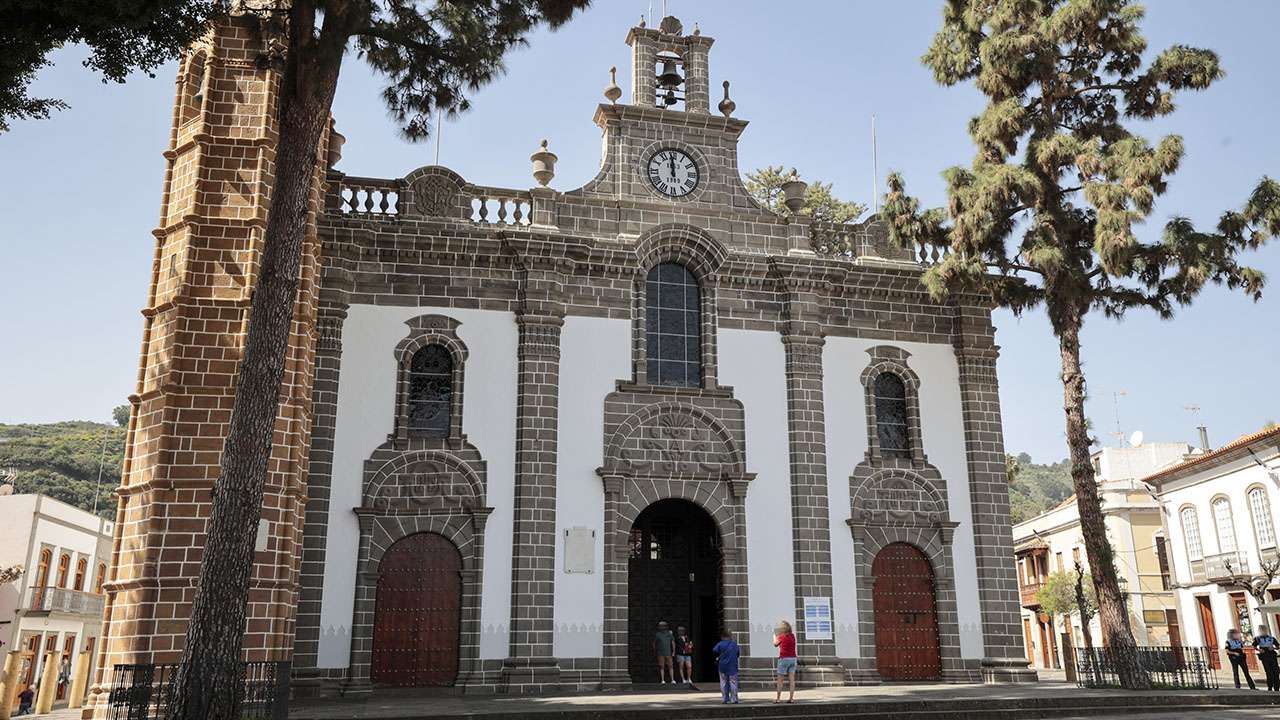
430, 391
673, 333
1226, 531
1191, 531
102, 577
42, 578
1261, 511
1162, 557
82, 566
891, 416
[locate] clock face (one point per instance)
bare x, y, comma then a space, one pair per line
674, 173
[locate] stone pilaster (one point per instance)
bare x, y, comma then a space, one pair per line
1004, 659
613, 670
807, 447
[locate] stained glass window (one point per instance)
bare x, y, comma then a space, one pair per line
1262, 518
430, 391
1191, 531
891, 416
673, 336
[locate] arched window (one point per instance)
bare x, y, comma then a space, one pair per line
430, 391
64, 567
1226, 530
81, 566
193, 87
102, 577
1260, 508
673, 332
1191, 533
42, 577
891, 416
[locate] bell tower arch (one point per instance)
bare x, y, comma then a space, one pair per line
666, 47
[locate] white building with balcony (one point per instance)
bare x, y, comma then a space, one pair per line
1220, 510
57, 604
1052, 542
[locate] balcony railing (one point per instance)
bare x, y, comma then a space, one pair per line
1226, 566
56, 599
1031, 594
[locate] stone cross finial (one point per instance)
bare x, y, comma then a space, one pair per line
726, 105
612, 92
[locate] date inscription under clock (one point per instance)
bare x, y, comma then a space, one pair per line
673, 173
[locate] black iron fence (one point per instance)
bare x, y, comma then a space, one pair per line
143, 691
1169, 667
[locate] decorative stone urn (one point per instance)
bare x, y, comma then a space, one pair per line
793, 192
336, 140
544, 165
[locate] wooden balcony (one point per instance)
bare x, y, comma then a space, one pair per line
1031, 594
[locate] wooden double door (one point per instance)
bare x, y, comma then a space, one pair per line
906, 614
674, 576
417, 613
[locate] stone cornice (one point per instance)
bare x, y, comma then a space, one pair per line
613, 114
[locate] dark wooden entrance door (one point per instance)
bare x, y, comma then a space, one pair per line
417, 614
906, 615
673, 576
1210, 634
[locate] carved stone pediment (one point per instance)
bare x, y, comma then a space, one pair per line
421, 486
898, 499
674, 442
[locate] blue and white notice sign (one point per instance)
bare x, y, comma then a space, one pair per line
817, 618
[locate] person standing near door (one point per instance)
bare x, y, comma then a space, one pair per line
684, 656
1265, 644
1235, 653
727, 662
664, 647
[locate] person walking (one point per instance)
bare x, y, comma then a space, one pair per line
1235, 653
785, 641
25, 698
727, 661
1266, 646
664, 647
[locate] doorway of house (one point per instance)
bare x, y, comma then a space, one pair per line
417, 614
674, 575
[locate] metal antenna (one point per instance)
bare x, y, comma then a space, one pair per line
1115, 399
437, 135
97, 489
1195, 409
875, 169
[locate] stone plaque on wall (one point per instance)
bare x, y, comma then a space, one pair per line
579, 550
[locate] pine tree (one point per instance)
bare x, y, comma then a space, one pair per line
765, 185
432, 54
1045, 214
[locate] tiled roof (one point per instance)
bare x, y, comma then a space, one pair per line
1242, 440
1034, 543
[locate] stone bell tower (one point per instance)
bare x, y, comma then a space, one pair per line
213, 212
655, 52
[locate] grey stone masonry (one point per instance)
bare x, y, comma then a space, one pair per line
1004, 659
530, 665
801, 282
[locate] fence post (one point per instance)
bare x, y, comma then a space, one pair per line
280, 701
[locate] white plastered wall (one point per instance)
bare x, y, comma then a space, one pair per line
365, 416
594, 354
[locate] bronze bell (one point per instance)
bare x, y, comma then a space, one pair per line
670, 77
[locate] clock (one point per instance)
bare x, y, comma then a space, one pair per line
673, 172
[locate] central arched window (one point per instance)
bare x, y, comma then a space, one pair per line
81, 566
891, 416
673, 334
430, 391
1226, 530
1191, 533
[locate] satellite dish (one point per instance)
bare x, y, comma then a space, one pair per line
6, 489
1136, 438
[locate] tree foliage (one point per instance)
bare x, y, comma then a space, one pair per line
120, 415
62, 460
765, 185
1037, 488
1058, 596
122, 36
1045, 213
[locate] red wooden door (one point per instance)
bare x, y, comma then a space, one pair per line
906, 615
1210, 635
417, 615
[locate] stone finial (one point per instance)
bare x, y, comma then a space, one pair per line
726, 105
671, 25
544, 165
793, 192
696, 31
612, 92
642, 23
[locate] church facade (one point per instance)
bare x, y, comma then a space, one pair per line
532, 424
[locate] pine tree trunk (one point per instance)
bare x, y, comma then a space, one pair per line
210, 681
1112, 613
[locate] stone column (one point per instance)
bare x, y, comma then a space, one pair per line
1004, 659
802, 339
697, 80
614, 672
315, 528
530, 665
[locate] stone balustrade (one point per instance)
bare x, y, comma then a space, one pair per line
369, 196
499, 206
870, 240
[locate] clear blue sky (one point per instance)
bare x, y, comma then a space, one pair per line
81, 192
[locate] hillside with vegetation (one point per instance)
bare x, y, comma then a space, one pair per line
1034, 488
62, 460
